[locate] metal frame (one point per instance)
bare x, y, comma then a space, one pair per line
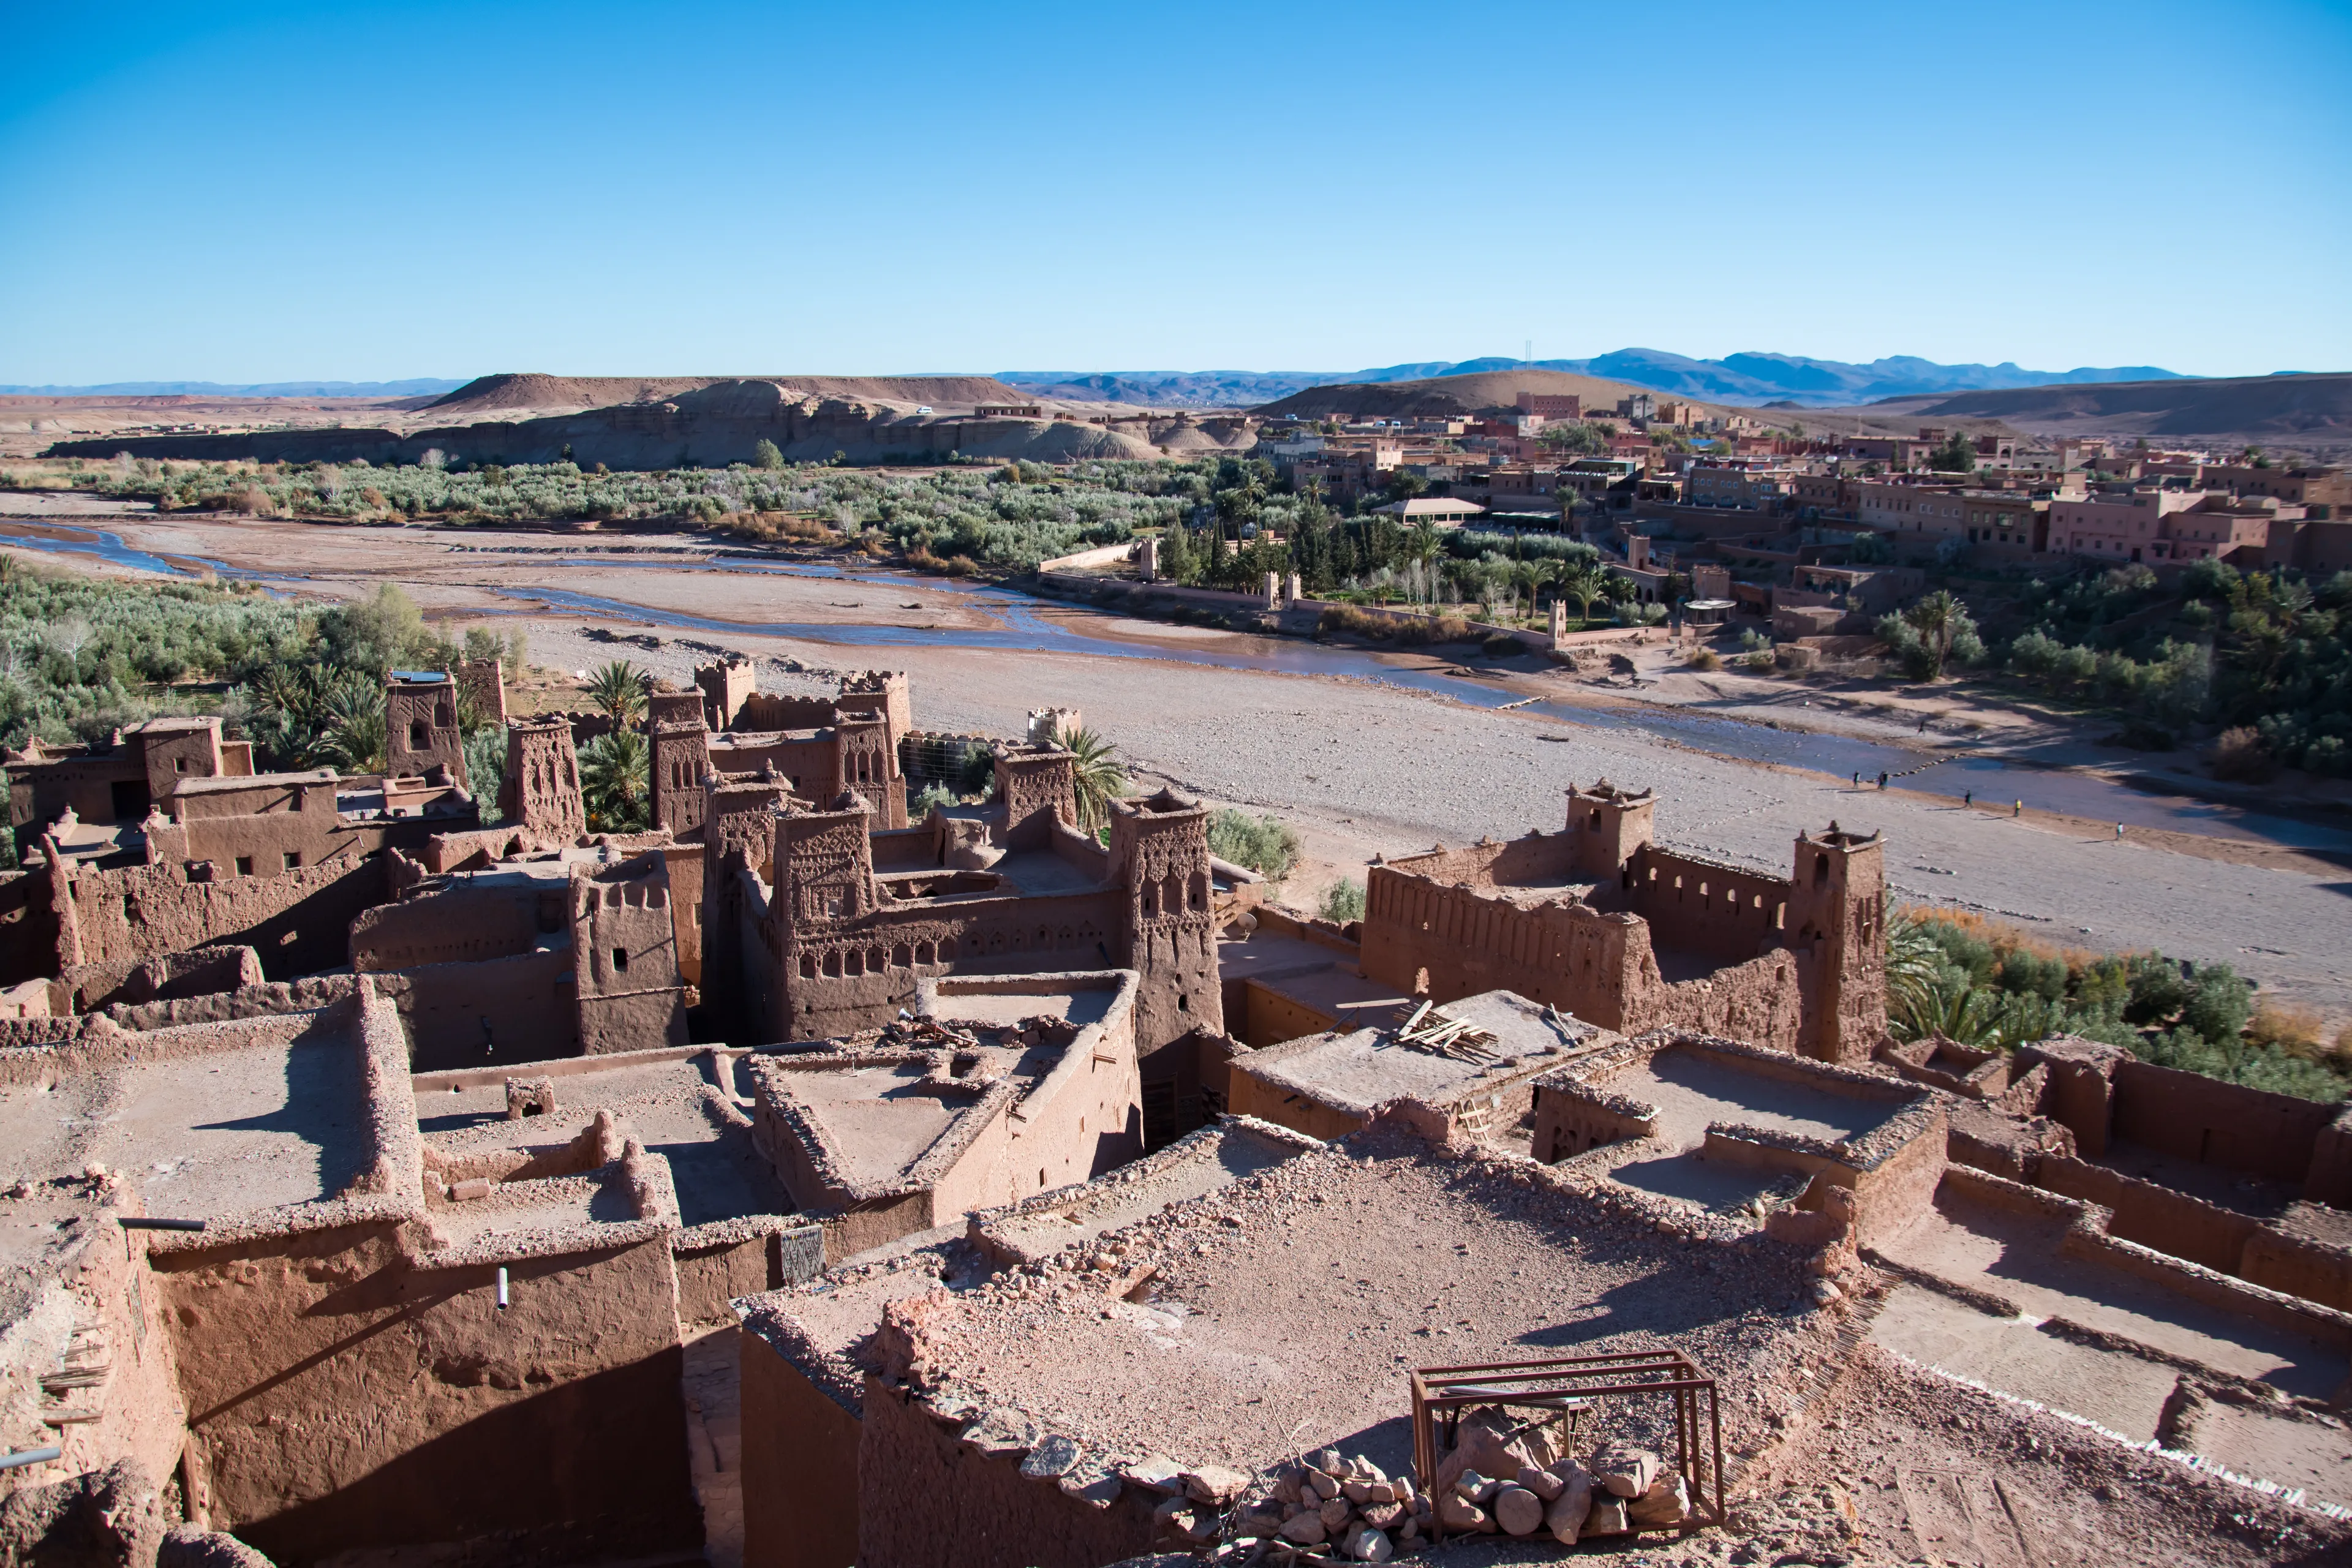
1557, 1386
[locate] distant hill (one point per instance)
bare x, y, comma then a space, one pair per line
422, 386
1742, 379
1434, 397
532, 390
2305, 406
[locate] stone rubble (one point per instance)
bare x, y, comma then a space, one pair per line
1327, 1507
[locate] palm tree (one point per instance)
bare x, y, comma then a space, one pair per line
1915, 967
615, 780
1583, 583
618, 691
1936, 618
1099, 776
350, 718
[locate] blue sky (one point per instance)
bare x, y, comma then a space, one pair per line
256, 191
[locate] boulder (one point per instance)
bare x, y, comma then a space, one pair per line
1624, 1470
1518, 1511
1484, 1444
1335, 1513
1607, 1518
1474, 1487
1664, 1506
1458, 1514
1214, 1484
1306, 1530
1565, 1516
1323, 1485
1366, 1544
1543, 1483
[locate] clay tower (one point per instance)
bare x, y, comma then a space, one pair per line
420, 725
1837, 916
1159, 855
1608, 827
541, 787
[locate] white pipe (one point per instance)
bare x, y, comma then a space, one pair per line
502, 1287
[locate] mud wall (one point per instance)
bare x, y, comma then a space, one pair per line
1421, 935
1261, 1016
95, 1299
925, 1499
1572, 1118
1762, 1002
2155, 1216
2298, 1265
2198, 1117
299, 921
498, 1012
800, 1467
342, 1396
1705, 907
458, 924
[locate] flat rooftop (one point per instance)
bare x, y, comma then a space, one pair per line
684, 1109
1358, 1069
210, 1119
1286, 1308
1004, 1009
877, 1121
1693, 1089
1039, 872
1193, 1167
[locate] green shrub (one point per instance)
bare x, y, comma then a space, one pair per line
1343, 902
1263, 844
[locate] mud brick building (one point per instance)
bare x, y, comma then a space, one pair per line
1602, 921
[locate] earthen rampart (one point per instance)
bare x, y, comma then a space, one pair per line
297, 921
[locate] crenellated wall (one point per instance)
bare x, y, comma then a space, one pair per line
1707, 907
297, 921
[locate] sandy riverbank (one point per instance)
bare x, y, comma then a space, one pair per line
1365, 768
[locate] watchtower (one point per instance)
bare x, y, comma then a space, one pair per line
1038, 786
1159, 857
420, 725
725, 687
681, 756
541, 788
824, 865
883, 693
1608, 827
1837, 917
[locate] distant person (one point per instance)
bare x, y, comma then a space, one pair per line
1857, 778
1967, 798
1882, 781
2119, 833
2018, 810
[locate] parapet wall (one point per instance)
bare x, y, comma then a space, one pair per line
1708, 906
296, 921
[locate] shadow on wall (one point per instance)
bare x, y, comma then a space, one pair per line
576, 1473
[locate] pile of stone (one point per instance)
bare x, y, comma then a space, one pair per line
1499, 1479
1325, 1504
1508, 1478
1622, 1490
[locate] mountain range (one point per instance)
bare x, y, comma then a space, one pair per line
1750, 379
